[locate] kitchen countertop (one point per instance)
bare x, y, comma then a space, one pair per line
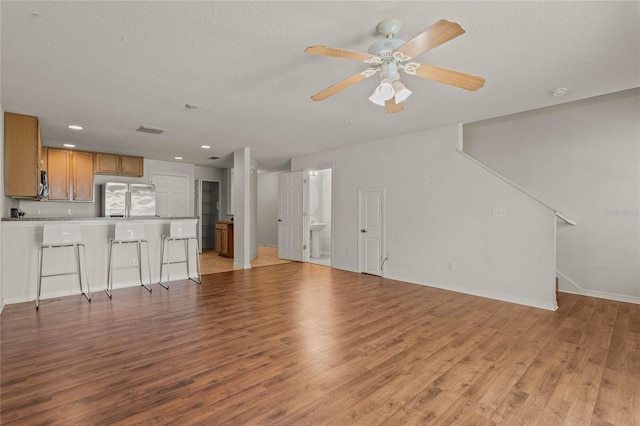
68, 218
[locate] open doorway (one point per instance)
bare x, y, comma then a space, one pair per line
208, 209
320, 186
305, 216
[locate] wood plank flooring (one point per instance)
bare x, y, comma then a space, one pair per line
212, 263
298, 344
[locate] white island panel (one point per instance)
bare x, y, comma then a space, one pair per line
22, 239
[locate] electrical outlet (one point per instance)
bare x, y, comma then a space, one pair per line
38, 212
450, 265
135, 261
499, 212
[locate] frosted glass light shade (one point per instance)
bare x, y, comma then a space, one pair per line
383, 93
401, 92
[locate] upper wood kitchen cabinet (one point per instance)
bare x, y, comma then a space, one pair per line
22, 155
124, 165
70, 175
107, 164
131, 166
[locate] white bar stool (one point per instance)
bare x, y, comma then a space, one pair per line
127, 233
179, 231
58, 235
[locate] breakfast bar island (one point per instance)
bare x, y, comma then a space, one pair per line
22, 237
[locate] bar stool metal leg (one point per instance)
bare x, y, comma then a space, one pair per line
86, 272
109, 275
148, 287
162, 246
199, 281
40, 252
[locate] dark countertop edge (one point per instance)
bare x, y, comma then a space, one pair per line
104, 219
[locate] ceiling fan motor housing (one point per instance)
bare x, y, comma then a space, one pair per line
382, 46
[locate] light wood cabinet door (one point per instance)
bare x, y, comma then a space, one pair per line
58, 165
218, 242
107, 164
131, 166
82, 176
21, 156
224, 239
70, 175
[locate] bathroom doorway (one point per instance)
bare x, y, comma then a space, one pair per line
320, 216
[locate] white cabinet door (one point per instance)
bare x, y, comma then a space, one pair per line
171, 195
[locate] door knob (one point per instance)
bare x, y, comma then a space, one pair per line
363, 230
279, 220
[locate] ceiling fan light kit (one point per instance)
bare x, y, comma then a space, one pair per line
383, 92
391, 54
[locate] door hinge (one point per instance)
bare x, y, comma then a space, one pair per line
304, 247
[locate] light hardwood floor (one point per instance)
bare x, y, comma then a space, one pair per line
212, 263
298, 344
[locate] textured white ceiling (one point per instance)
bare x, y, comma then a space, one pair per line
112, 66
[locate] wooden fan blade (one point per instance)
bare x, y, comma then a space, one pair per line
337, 53
433, 36
392, 106
447, 76
339, 86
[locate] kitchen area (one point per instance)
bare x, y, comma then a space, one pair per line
96, 190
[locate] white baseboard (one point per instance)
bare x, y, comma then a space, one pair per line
567, 285
1, 305
551, 306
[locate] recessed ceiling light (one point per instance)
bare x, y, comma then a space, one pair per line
205, 146
69, 145
177, 158
74, 127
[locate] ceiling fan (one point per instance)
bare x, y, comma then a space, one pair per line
390, 55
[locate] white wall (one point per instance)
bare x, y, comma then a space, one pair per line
253, 209
209, 173
268, 199
242, 208
583, 158
439, 208
2, 197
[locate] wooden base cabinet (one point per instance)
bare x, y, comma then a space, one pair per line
224, 238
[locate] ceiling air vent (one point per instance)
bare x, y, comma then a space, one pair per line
152, 130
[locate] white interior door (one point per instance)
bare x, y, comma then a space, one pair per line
171, 195
291, 217
370, 231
